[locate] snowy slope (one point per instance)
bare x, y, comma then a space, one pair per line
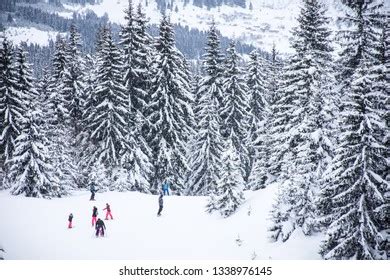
36, 229
30, 35
270, 21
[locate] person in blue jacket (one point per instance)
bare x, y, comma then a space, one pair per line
165, 188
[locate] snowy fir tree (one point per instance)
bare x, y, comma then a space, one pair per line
119, 180
381, 85
73, 86
89, 102
213, 66
235, 107
30, 172
135, 160
205, 160
275, 66
58, 121
99, 178
302, 128
42, 86
137, 59
24, 78
195, 87
170, 112
107, 122
207, 147
258, 151
13, 104
354, 194
229, 195
257, 85
274, 72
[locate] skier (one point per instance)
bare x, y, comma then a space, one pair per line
100, 227
108, 213
70, 220
165, 188
93, 191
160, 203
94, 215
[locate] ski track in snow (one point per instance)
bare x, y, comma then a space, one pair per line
37, 229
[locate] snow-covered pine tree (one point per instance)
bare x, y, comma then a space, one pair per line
89, 105
256, 81
304, 140
107, 120
98, 177
275, 66
24, 79
30, 172
229, 195
207, 143
56, 100
170, 113
42, 103
85, 146
73, 86
135, 161
213, 66
257, 85
382, 88
386, 64
12, 104
355, 190
137, 59
136, 42
235, 106
58, 121
195, 86
275, 70
42, 86
59, 59
207, 146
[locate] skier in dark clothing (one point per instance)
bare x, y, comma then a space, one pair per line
100, 227
70, 220
93, 191
160, 203
94, 215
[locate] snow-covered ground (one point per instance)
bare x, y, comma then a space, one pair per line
30, 35
37, 229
